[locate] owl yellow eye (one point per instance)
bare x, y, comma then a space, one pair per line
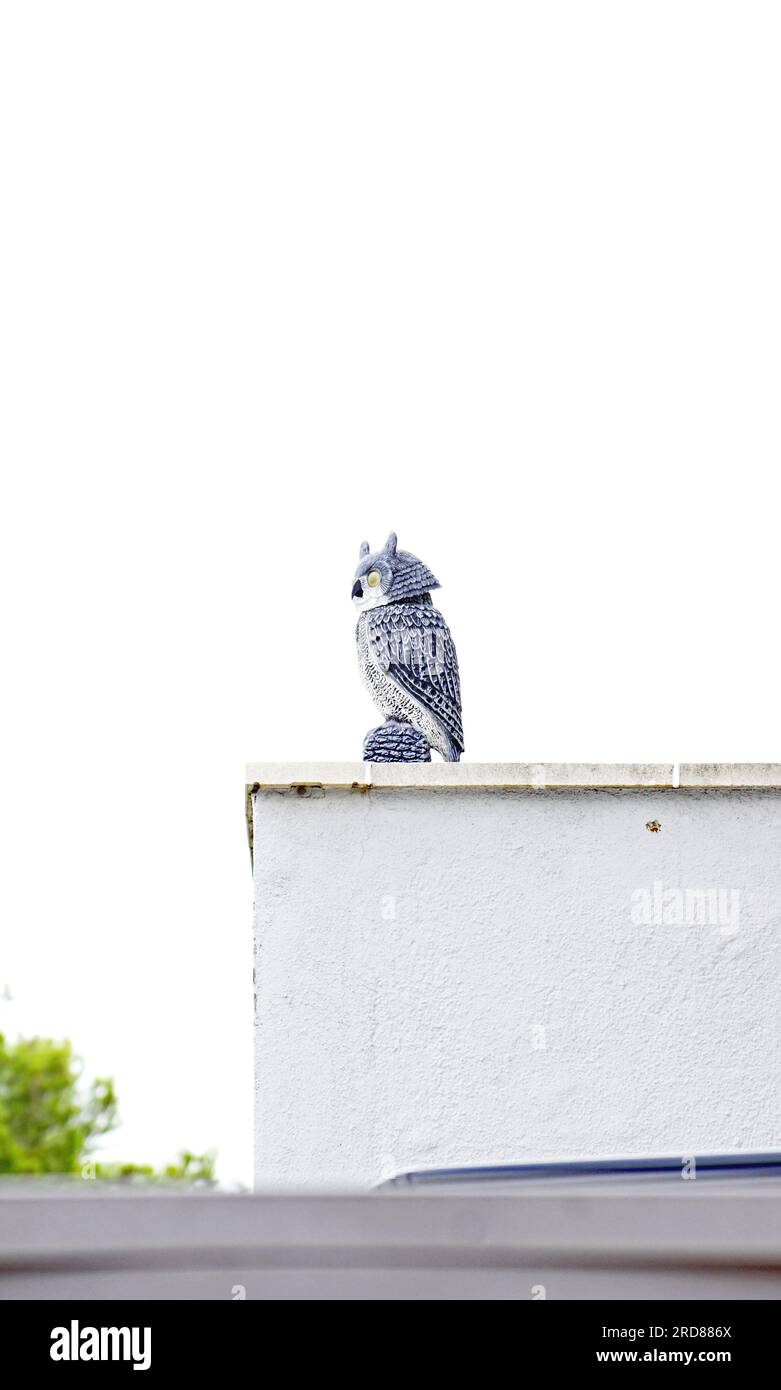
373, 579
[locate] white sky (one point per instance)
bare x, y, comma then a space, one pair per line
278, 277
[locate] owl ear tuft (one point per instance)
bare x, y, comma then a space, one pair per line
364, 550
391, 543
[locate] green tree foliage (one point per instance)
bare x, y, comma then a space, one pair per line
189, 1167
49, 1124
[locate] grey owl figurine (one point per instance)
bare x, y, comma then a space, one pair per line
407, 658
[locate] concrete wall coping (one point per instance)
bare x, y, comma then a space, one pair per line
505, 777
512, 776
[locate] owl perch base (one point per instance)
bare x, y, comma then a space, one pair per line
395, 742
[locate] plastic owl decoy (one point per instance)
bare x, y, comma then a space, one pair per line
407, 658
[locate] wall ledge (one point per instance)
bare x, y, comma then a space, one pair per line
362, 777
509, 776
502, 776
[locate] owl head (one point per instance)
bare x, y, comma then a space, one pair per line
387, 575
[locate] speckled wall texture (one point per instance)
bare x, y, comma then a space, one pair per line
468, 976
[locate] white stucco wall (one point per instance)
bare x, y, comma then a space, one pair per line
474, 974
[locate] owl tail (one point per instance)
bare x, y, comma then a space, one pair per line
453, 751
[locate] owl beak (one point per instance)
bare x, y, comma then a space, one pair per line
357, 589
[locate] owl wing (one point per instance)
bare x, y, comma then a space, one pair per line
411, 642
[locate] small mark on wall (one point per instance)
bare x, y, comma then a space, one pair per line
654, 826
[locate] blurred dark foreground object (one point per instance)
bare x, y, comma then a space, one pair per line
634, 1234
